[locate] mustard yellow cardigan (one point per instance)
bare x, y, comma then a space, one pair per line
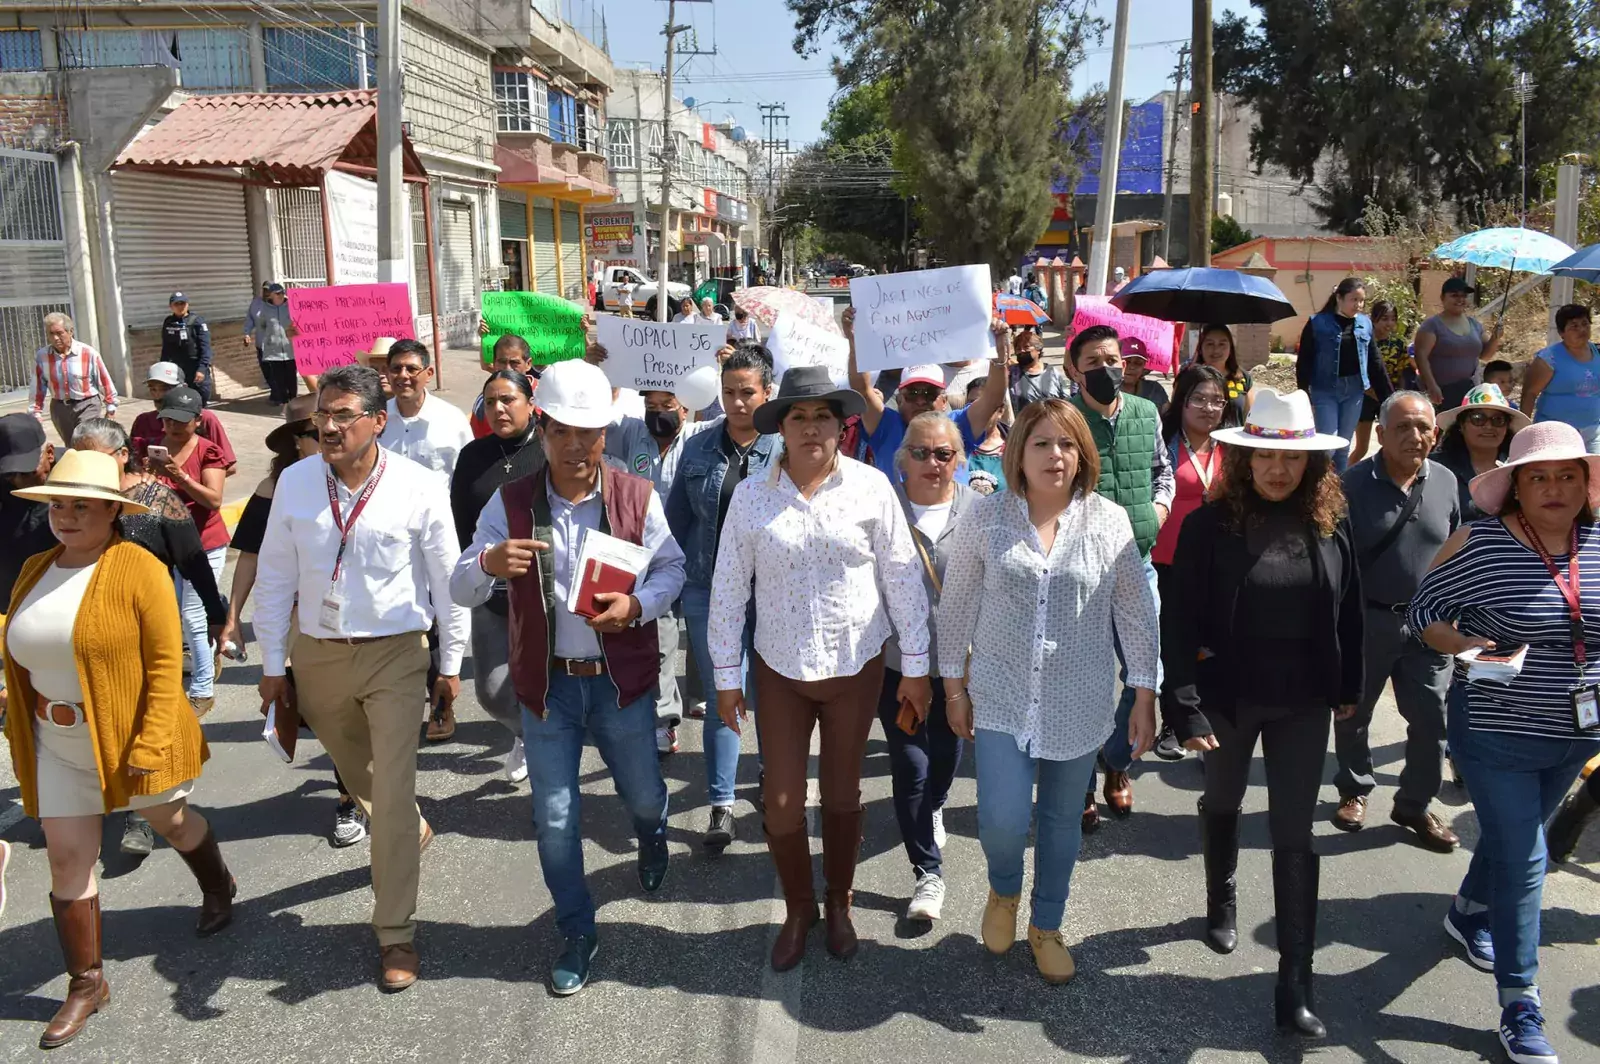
128, 641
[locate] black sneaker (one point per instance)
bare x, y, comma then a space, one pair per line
138, 838
721, 832
1168, 748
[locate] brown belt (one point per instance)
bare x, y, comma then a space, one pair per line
579, 666
355, 641
61, 714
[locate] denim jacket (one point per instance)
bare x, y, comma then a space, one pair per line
696, 495
1324, 370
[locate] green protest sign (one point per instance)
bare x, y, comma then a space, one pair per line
552, 326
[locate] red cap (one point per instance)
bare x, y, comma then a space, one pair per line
1133, 347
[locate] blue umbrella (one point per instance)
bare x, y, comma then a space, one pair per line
1583, 264
1506, 248
1204, 294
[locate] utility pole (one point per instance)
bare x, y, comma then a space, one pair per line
1105, 206
1200, 143
641, 206
776, 147
394, 228
1172, 151
669, 156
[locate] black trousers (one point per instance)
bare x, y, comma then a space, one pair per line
282, 381
923, 766
1294, 744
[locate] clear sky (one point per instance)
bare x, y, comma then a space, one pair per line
755, 62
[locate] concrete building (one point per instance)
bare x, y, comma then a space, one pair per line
713, 221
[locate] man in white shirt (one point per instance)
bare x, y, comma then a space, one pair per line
423, 427
1014, 284
361, 544
578, 676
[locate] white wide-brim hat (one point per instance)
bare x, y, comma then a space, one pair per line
1548, 441
84, 475
1280, 422
1485, 397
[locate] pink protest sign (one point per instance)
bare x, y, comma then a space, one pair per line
337, 324
1156, 334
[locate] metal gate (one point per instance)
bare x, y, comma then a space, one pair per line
457, 258
204, 253
572, 276
34, 280
302, 259
544, 248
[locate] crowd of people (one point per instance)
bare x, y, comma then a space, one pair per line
1056, 571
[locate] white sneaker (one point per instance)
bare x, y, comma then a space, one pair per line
927, 900
666, 741
940, 836
517, 762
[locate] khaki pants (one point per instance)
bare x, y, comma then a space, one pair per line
66, 413
362, 703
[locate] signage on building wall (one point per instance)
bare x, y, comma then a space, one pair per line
612, 230
338, 323
353, 222
709, 195
708, 136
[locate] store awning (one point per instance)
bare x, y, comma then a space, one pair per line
520, 171
267, 138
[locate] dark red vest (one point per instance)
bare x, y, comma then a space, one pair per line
632, 655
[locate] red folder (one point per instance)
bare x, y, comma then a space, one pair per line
598, 577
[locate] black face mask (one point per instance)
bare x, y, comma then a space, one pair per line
1102, 383
663, 424
1026, 357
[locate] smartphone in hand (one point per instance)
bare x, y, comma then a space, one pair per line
158, 454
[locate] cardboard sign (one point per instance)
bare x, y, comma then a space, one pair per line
654, 356
1156, 334
922, 317
552, 326
338, 323
794, 341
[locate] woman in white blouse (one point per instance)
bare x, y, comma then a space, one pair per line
1041, 577
825, 543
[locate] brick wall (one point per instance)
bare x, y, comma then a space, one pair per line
234, 371
32, 116
449, 98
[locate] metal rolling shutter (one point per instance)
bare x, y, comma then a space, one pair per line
175, 234
456, 271
513, 216
421, 283
544, 249
572, 252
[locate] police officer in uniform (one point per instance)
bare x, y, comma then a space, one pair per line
186, 341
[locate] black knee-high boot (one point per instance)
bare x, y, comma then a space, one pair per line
1219, 842
1294, 889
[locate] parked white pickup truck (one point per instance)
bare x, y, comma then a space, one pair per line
608, 293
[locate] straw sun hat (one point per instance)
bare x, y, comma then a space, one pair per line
1548, 441
84, 475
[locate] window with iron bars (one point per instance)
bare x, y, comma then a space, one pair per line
620, 144
520, 103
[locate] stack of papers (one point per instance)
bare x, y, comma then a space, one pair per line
605, 563
1493, 666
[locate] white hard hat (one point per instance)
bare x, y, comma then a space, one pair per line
577, 394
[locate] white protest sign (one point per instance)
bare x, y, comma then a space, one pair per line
796, 342
652, 356
922, 317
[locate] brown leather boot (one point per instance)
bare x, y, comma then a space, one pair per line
791, 855
841, 847
217, 885
78, 928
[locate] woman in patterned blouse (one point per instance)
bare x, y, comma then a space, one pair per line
1041, 579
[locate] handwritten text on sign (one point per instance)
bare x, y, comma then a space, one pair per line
913, 319
551, 326
796, 342
338, 323
1156, 334
651, 356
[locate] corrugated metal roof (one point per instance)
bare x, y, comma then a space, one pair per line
293, 138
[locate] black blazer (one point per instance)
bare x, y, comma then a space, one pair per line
1209, 568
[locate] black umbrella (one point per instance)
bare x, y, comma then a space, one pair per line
1204, 294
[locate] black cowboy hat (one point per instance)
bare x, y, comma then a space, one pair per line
804, 384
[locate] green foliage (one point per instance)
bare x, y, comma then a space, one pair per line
1409, 103
1226, 232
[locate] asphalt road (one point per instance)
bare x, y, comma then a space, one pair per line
682, 976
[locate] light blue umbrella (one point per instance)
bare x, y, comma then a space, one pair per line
1507, 248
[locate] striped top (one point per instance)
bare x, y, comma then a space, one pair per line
1497, 588
78, 374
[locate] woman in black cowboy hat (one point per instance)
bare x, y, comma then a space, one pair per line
836, 565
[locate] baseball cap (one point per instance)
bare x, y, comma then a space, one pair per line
180, 404
177, 297
922, 375
274, 288
1456, 284
1133, 347
577, 394
166, 373
21, 443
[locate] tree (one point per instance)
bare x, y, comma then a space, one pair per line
1226, 232
977, 98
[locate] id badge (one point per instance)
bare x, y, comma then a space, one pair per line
1586, 707
183, 334
332, 608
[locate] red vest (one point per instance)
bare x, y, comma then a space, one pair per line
632, 655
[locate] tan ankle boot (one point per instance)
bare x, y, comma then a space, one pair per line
1000, 922
1051, 956
78, 928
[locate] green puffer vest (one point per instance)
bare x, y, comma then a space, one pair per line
1126, 458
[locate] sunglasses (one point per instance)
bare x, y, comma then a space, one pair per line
942, 455
1480, 419
307, 434
922, 395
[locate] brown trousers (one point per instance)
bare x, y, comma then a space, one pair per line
845, 706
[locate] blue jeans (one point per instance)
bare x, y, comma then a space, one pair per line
1337, 411
1118, 751
720, 742
202, 671
1005, 808
626, 740
1516, 783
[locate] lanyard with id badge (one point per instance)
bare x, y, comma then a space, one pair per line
1585, 695
332, 609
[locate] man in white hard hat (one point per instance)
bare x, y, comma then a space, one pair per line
577, 673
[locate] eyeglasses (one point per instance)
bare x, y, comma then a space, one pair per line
1479, 419
942, 455
340, 418
922, 395
1201, 403
405, 370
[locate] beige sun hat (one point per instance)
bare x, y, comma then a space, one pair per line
84, 475
1548, 441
